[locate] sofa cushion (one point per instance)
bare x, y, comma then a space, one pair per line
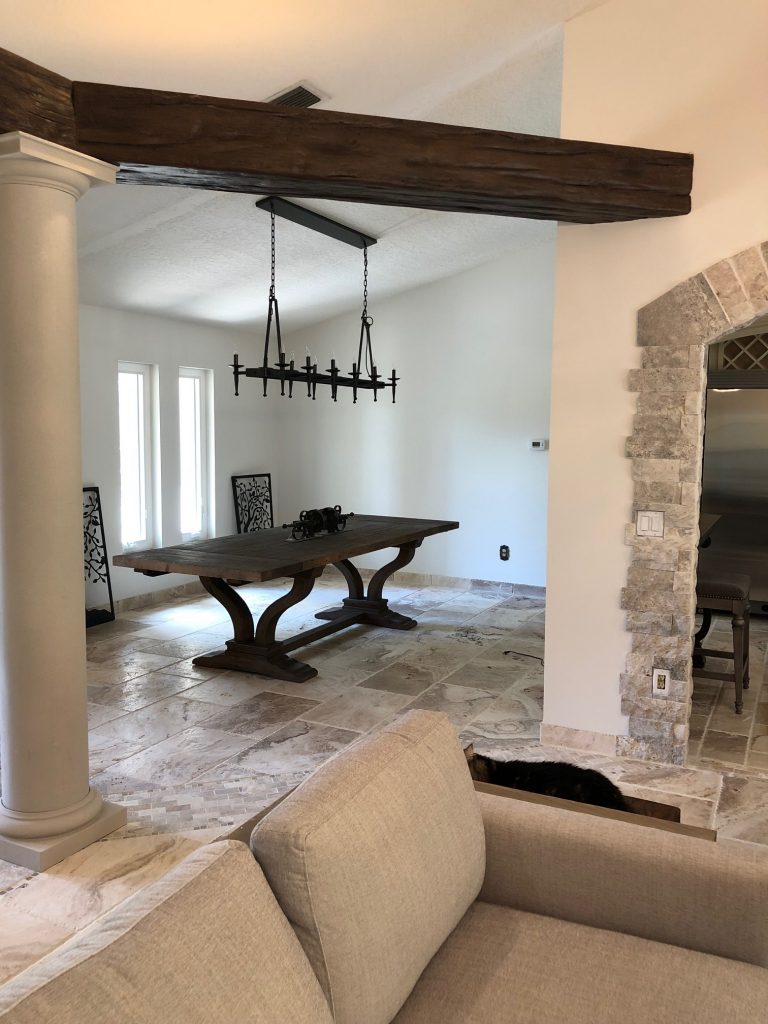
503, 966
207, 942
711, 897
375, 859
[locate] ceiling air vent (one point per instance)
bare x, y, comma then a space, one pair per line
297, 96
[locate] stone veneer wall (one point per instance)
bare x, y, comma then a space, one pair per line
674, 332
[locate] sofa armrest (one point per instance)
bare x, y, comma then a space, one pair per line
626, 878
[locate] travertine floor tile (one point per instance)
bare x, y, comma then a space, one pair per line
403, 677
261, 715
133, 694
228, 688
189, 646
25, 939
461, 704
98, 714
12, 875
358, 709
119, 667
138, 730
81, 888
297, 747
509, 717
743, 809
485, 674
181, 757
722, 746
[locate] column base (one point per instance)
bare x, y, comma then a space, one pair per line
41, 854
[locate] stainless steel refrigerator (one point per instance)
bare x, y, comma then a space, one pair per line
735, 486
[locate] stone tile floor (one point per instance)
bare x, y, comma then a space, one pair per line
194, 752
719, 737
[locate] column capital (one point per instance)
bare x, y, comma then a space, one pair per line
26, 159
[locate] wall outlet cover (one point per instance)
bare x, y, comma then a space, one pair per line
661, 680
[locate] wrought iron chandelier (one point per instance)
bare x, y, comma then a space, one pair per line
364, 376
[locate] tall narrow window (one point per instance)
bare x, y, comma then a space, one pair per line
135, 421
194, 448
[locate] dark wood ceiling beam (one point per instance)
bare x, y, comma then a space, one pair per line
167, 138
35, 100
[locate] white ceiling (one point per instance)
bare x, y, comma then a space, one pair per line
204, 255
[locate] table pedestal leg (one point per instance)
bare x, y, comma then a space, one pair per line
257, 650
372, 608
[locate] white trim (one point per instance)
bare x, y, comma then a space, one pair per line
15, 144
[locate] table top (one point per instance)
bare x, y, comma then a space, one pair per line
269, 554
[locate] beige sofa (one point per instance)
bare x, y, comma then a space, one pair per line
388, 890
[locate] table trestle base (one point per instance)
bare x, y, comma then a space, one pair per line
255, 649
369, 612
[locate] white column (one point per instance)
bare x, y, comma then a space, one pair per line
48, 809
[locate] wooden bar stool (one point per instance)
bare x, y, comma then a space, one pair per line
724, 593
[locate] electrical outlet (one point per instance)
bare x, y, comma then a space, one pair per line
660, 684
504, 552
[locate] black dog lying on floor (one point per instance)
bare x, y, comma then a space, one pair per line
550, 778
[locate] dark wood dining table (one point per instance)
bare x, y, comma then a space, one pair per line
272, 554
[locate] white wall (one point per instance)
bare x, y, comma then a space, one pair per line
689, 76
244, 427
474, 355
473, 352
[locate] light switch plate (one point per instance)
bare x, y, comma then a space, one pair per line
649, 524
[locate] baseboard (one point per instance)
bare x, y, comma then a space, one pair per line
577, 739
402, 579
128, 604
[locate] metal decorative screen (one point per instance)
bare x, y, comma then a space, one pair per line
253, 502
99, 605
748, 353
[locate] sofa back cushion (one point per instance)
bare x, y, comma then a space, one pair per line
206, 943
375, 859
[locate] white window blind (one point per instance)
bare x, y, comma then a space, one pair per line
135, 424
194, 452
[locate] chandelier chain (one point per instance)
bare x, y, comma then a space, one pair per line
365, 282
272, 240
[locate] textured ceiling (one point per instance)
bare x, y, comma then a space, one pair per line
204, 255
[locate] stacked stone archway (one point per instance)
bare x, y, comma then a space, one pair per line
674, 332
